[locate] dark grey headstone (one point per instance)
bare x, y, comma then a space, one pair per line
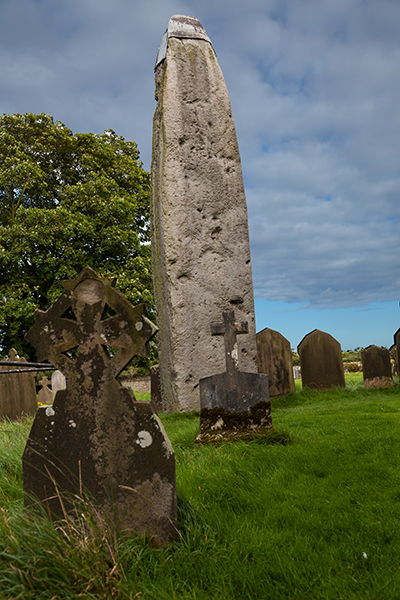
234, 391
96, 438
321, 361
275, 359
396, 338
377, 368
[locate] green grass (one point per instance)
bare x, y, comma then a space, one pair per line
316, 519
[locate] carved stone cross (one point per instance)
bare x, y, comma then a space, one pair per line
96, 437
230, 329
234, 391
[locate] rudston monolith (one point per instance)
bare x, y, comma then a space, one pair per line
95, 439
200, 239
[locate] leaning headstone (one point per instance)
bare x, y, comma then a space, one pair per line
234, 404
377, 368
45, 395
17, 390
58, 382
200, 238
96, 437
275, 359
321, 361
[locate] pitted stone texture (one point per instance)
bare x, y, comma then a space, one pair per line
96, 439
275, 359
377, 368
321, 361
200, 240
17, 391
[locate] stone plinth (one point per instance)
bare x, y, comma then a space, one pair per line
200, 239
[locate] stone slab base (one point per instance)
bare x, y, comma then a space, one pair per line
218, 424
379, 382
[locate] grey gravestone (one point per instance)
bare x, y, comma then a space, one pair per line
156, 393
200, 238
275, 359
45, 395
58, 382
234, 391
96, 436
377, 368
17, 391
296, 372
321, 361
394, 359
396, 339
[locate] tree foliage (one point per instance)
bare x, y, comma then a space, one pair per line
66, 201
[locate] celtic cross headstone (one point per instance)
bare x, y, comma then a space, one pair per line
96, 437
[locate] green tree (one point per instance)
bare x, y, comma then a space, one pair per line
67, 201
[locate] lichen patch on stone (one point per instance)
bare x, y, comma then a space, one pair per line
144, 439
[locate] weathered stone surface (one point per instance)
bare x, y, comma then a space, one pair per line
17, 391
377, 368
233, 391
96, 437
157, 401
45, 395
275, 359
58, 382
200, 240
321, 361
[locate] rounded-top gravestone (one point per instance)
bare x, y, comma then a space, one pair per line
321, 361
377, 367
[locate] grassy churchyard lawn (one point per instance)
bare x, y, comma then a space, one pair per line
318, 518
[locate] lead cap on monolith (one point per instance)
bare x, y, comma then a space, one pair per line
182, 27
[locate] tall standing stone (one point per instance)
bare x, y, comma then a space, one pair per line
17, 390
275, 359
321, 361
200, 239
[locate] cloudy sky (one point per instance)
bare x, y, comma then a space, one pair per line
315, 91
